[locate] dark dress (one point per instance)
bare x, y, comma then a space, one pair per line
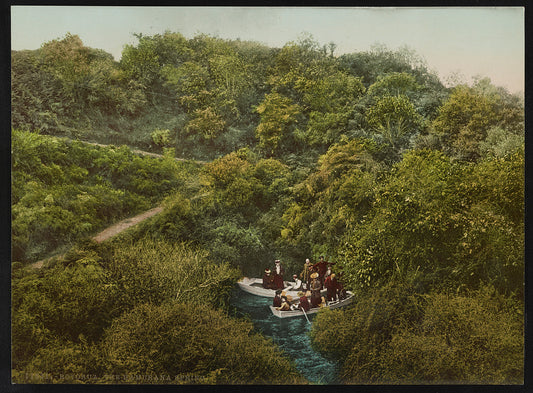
277, 301
267, 281
331, 286
316, 299
278, 278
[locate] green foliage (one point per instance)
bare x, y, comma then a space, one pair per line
499, 143
64, 191
393, 335
161, 137
297, 98
180, 339
394, 84
331, 200
380, 61
463, 122
395, 119
145, 308
205, 123
279, 116
406, 226
437, 224
70, 301
148, 271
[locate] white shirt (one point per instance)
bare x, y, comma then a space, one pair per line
297, 284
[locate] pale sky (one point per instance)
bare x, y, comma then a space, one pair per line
469, 41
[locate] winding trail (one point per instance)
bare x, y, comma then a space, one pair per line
111, 231
121, 226
125, 224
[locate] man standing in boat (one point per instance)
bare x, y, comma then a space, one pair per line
322, 268
305, 275
278, 274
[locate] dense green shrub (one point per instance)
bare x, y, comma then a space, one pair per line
157, 303
183, 339
392, 335
70, 301
155, 271
405, 225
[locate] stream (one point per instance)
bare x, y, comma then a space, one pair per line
290, 334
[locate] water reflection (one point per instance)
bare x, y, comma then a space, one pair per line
291, 334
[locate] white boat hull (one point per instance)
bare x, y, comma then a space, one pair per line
255, 287
299, 313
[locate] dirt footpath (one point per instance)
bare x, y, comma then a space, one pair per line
113, 230
125, 224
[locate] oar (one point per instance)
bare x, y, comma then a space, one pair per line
305, 314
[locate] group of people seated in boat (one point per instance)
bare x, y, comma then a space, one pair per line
314, 278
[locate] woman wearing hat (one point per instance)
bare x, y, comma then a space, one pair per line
278, 274
316, 286
268, 279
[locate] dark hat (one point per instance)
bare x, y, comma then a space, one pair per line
278, 291
267, 270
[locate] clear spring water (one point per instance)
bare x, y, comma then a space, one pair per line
291, 334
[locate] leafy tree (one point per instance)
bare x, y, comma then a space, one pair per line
206, 123
380, 61
143, 63
394, 84
470, 112
331, 200
395, 119
441, 225
34, 93
279, 117
69, 59
191, 83
500, 143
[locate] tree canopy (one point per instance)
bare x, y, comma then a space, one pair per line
414, 190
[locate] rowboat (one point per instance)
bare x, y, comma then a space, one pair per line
298, 313
255, 287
